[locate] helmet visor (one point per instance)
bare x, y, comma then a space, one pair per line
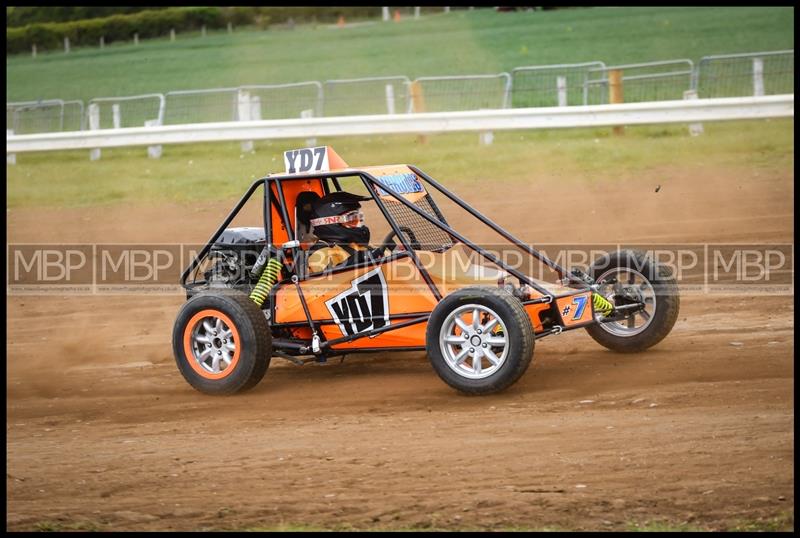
354, 219
351, 219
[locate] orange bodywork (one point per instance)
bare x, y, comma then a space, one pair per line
406, 294
407, 297
398, 289
576, 309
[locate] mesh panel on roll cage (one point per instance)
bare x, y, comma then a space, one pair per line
428, 236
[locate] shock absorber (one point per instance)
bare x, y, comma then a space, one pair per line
601, 304
267, 279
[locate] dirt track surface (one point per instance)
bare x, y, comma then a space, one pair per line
103, 432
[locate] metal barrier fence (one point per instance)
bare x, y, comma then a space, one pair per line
471, 92
284, 101
44, 116
253, 102
201, 106
652, 81
730, 75
374, 95
132, 111
733, 75
551, 85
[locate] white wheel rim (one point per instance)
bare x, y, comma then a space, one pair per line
474, 341
213, 344
640, 287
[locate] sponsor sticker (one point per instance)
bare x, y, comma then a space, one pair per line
401, 184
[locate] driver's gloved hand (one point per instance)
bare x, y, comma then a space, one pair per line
376, 253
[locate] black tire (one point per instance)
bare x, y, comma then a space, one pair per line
519, 340
254, 345
666, 297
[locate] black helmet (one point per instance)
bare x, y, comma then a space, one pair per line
337, 218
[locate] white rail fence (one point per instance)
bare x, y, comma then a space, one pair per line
729, 75
685, 111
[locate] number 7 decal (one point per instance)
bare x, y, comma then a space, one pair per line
580, 304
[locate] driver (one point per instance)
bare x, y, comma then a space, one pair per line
338, 223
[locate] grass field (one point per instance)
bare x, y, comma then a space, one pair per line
198, 172
462, 42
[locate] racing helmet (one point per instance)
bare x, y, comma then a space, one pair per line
337, 218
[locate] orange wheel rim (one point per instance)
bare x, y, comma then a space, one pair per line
211, 344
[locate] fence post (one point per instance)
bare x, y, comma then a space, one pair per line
116, 116
319, 108
389, 99
416, 12
561, 86
309, 113
66, 45
758, 77
94, 124
172, 34
11, 158
418, 104
203, 31
615, 95
33, 50
255, 110
447, 10
485, 138
153, 152
230, 27
244, 111
102, 42
417, 99
385, 14
695, 129
136, 39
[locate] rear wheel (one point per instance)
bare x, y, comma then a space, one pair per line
221, 342
480, 340
627, 278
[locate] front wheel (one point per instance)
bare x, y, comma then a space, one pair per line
222, 342
480, 340
645, 295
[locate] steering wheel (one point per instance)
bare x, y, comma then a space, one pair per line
389, 244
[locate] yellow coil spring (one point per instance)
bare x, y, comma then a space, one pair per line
267, 279
601, 304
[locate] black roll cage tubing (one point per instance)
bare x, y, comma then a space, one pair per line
527, 248
370, 182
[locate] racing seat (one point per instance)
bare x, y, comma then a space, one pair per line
303, 226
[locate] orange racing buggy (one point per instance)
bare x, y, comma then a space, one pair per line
425, 286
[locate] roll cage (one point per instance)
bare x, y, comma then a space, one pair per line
275, 204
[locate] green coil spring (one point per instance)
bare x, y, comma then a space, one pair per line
267, 279
601, 304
